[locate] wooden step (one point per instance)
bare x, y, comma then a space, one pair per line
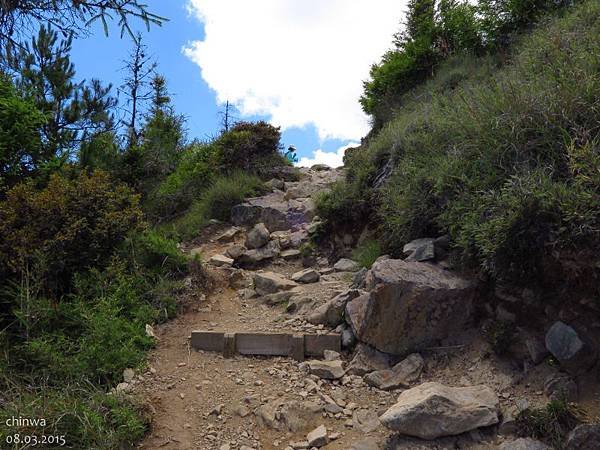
297, 346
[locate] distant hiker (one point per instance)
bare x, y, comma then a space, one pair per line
290, 155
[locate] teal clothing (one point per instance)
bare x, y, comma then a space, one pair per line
291, 157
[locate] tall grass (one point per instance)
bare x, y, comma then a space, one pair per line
507, 162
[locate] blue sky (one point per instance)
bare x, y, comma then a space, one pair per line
296, 63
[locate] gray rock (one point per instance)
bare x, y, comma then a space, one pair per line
574, 355
584, 437
402, 375
306, 276
320, 167
235, 251
220, 261
367, 359
328, 370
239, 279
346, 265
524, 444
330, 355
275, 183
318, 437
420, 250
252, 257
359, 279
348, 338
332, 312
228, 235
128, 375
258, 236
433, 410
270, 283
290, 254
537, 350
411, 306
365, 420
366, 444
561, 387
277, 298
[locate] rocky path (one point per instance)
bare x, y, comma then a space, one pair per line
261, 282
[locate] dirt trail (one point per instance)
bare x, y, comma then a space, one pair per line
200, 400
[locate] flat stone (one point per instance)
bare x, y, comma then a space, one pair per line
306, 276
366, 444
402, 375
524, 444
365, 420
318, 437
346, 265
328, 370
253, 257
235, 251
228, 235
290, 253
270, 283
433, 410
220, 261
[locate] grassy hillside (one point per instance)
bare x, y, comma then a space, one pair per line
501, 152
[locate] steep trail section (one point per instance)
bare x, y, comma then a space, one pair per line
200, 400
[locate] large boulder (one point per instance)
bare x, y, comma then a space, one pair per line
266, 283
433, 410
572, 352
410, 306
258, 236
402, 375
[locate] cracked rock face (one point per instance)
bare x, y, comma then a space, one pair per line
410, 306
433, 410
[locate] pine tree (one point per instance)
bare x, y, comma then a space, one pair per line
19, 17
140, 69
74, 110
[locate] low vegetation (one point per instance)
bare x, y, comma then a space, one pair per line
501, 155
551, 424
91, 215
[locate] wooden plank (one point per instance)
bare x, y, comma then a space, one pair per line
210, 341
229, 345
263, 344
297, 350
316, 344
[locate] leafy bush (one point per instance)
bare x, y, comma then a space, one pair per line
246, 146
70, 225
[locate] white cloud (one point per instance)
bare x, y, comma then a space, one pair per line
299, 62
332, 159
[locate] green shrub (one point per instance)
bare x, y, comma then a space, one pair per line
551, 424
366, 253
217, 200
500, 335
70, 225
248, 146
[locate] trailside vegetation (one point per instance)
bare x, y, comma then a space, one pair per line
500, 148
93, 206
